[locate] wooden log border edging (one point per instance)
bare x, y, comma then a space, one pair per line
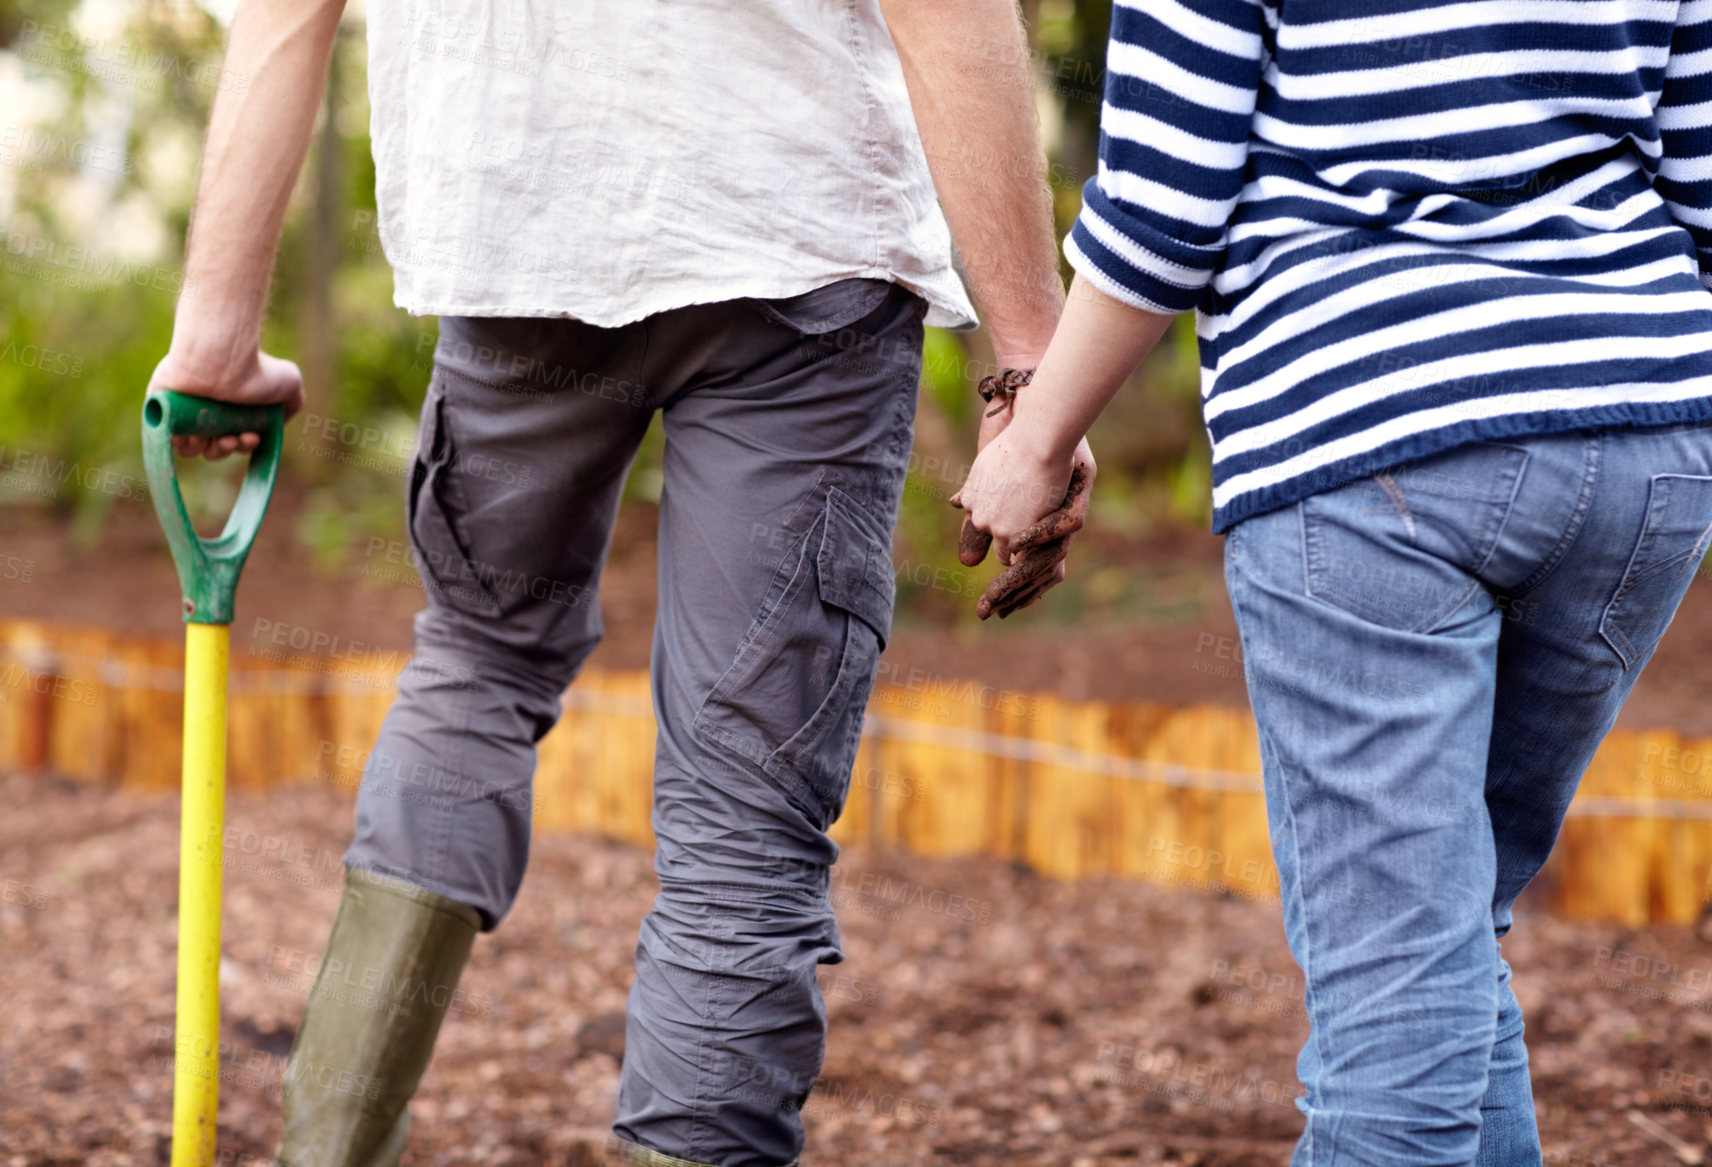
945, 767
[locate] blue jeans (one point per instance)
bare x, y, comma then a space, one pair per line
1433, 654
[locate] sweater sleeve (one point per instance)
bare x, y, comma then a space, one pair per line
1182, 79
1684, 178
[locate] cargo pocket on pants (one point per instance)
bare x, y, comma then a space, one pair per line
792, 701
433, 510
1667, 555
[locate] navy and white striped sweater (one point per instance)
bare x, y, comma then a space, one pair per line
1409, 224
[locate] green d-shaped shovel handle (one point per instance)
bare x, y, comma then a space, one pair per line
208, 568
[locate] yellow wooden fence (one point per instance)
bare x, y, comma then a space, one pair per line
946, 767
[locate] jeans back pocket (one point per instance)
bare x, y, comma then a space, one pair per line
1402, 548
1666, 558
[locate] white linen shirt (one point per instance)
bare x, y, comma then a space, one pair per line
610, 161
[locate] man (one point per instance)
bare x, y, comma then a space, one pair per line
721, 211
1450, 262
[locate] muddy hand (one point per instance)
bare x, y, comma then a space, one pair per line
1037, 552
1029, 576
972, 544
1066, 520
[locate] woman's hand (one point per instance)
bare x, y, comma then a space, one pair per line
1029, 503
1027, 490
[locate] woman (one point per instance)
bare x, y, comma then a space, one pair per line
1448, 263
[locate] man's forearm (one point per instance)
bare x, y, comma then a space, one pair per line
257, 138
966, 64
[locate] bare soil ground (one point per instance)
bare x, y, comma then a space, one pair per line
1096, 1024
1089, 1024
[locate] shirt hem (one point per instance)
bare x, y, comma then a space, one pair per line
942, 311
1628, 414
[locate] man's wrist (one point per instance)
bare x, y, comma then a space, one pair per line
208, 351
1022, 348
205, 365
1000, 389
1018, 358
1020, 339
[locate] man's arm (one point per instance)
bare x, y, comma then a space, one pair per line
966, 64
258, 135
1150, 236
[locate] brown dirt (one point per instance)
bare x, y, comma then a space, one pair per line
1095, 1024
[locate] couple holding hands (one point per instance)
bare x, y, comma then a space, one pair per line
1456, 350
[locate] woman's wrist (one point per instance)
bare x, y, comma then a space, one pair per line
1041, 431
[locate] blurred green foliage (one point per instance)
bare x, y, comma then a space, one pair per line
103, 315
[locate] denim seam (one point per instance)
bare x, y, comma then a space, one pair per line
1307, 942
1591, 462
1509, 509
1437, 620
1307, 563
1476, 584
1307, 935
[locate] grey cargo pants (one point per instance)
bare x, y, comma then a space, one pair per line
788, 429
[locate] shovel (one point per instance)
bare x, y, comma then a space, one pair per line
208, 572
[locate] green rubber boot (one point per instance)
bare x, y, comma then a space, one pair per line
385, 983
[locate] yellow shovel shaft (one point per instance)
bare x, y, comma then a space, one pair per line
196, 1061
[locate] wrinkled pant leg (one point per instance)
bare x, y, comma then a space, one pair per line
781, 488
1370, 658
726, 1023
1509, 1129
1502, 597
527, 431
446, 796
1599, 552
